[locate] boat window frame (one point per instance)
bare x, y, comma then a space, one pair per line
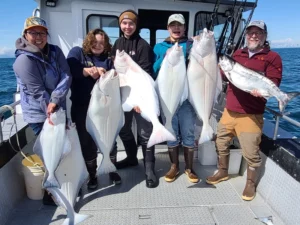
99, 15
206, 12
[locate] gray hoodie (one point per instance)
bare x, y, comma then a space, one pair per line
43, 78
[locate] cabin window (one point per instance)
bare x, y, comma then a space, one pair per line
145, 34
110, 24
161, 35
203, 20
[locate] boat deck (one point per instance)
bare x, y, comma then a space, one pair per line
180, 202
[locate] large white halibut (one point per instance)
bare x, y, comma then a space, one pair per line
171, 82
52, 145
204, 80
71, 174
138, 89
105, 117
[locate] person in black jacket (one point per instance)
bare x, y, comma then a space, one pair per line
87, 64
141, 52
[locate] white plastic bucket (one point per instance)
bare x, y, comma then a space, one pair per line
33, 176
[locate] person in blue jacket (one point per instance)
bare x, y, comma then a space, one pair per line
87, 64
185, 117
42, 74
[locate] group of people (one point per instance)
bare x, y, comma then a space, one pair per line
45, 76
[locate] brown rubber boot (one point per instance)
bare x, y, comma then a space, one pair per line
250, 188
189, 160
174, 170
222, 173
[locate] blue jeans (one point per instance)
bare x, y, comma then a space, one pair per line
36, 127
183, 123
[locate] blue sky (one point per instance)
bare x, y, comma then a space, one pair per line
281, 16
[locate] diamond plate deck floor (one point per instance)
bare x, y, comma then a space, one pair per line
180, 202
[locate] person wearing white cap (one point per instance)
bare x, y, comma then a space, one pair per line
185, 117
43, 75
243, 113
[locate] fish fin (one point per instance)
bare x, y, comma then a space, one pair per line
78, 218
37, 147
106, 166
290, 96
160, 134
206, 134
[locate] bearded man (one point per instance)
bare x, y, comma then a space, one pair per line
243, 113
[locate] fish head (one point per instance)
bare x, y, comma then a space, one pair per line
174, 54
225, 63
206, 43
121, 62
109, 82
58, 117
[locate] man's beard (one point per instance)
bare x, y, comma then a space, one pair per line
254, 46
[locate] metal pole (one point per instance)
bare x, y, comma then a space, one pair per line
276, 128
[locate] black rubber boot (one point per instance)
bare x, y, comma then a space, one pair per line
47, 199
149, 163
114, 176
92, 170
131, 152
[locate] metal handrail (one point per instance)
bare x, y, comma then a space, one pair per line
278, 116
4, 109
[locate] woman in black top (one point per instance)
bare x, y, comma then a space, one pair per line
87, 64
141, 52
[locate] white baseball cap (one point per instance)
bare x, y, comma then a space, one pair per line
176, 17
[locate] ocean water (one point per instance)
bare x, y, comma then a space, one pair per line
290, 83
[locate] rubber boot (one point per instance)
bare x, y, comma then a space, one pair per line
47, 199
174, 170
222, 173
131, 152
114, 176
149, 163
189, 160
92, 170
250, 188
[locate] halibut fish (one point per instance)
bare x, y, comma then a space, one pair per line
249, 80
52, 145
71, 174
105, 117
138, 89
204, 80
171, 83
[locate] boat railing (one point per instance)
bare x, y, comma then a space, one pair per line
279, 115
6, 111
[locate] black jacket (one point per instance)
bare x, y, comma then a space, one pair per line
139, 50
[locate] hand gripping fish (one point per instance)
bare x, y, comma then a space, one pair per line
71, 174
52, 145
204, 80
171, 83
249, 80
105, 117
138, 89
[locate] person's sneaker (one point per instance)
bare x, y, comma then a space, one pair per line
127, 162
92, 183
48, 200
115, 178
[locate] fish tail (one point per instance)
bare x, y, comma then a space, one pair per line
160, 134
78, 218
206, 134
289, 97
51, 182
106, 166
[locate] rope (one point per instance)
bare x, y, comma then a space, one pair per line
35, 164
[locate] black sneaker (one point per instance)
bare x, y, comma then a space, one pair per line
127, 162
92, 183
47, 199
115, 178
